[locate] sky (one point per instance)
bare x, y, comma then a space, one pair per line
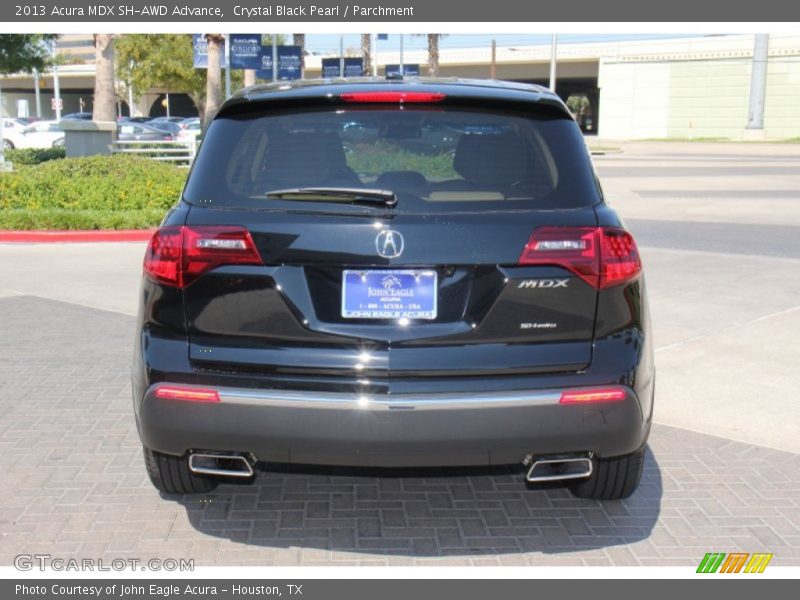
329, 44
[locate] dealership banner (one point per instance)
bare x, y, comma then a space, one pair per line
246, 50
353, 67
200, 51
290, 62
398, 11
406, 70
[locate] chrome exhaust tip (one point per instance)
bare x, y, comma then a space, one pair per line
559, 468
222, 464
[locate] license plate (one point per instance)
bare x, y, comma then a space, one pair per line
396, 294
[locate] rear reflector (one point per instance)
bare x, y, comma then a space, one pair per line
178, 255
602, 256
190, 394
392, 97
588, 396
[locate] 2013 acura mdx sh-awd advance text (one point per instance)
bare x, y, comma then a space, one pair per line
394, 274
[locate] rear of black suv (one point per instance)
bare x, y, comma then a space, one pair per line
394, 274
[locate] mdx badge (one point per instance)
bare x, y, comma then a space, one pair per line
389, 244
543, 283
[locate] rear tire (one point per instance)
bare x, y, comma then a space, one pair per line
171, 474
8, 145
612, 478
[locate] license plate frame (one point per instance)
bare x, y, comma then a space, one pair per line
390, 294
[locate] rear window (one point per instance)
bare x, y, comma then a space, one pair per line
433, 159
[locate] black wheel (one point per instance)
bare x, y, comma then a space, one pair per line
7, 145
611, 478
171, 474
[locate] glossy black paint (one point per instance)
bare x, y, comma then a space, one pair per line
278, 326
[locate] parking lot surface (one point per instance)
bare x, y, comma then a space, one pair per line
719, 230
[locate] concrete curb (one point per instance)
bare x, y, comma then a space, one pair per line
61, 237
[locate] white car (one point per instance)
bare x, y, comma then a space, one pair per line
42, 134
11, 124
11, 127
190, 132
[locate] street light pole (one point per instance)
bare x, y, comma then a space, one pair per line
401, 55
38, 92
274, 57
130, 89
553, 61
56, 85
374, 51
758, 82
341, 56
2, 132
227, 67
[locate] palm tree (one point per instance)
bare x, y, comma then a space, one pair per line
105, 96
213, 77
366, 52
433, 54
299, 39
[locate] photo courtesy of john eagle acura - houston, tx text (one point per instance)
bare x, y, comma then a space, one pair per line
466, 298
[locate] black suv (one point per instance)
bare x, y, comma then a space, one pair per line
394, 274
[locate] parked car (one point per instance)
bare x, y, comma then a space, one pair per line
134, 119
390, 306
189, 132
41, 134
177, 120
141, 132
78, 116
13, 124
190, 121
169, 126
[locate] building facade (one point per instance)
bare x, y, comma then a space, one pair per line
695, 87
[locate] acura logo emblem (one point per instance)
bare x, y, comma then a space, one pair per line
389, 244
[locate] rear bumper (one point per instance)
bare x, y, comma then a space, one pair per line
404, 430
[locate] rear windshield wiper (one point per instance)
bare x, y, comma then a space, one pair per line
337, 194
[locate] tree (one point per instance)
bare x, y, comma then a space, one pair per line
22, 53
105, 94
366, 52
433, 54
162, 61
299, 39
213, 77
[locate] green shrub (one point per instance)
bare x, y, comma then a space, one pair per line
62, 218
33, 156
73, 193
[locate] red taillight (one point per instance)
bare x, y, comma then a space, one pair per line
392, 97
178, 255
588, 396
162, 260
190, 394
619, 257
602, 256
574, 248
